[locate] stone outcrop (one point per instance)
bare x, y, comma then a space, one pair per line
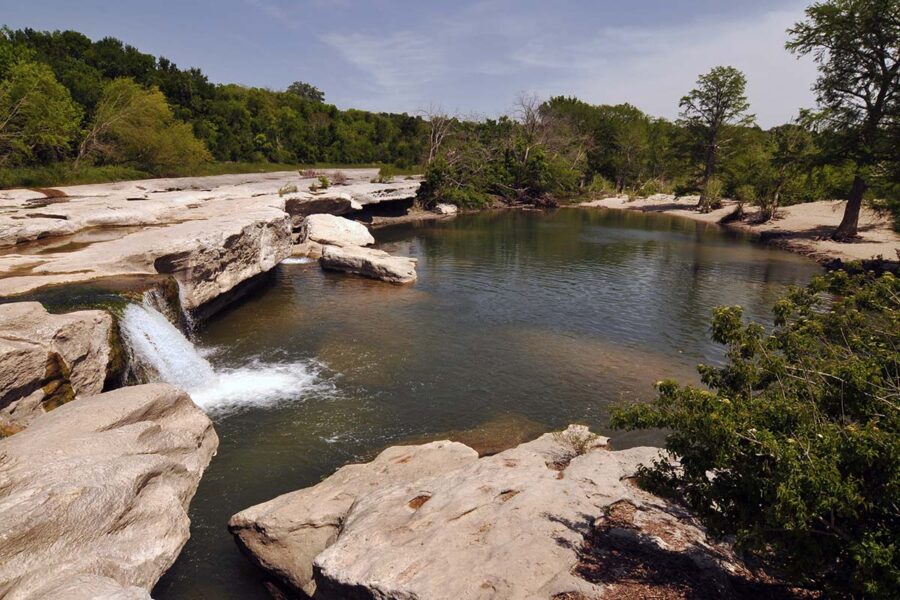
284, 535
369, 262
211, 234
335, 231
435, 521
47, 360
446, 209
94, 495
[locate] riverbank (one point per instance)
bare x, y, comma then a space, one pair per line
801, 228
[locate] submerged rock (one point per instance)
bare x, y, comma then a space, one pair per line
94, 495
369, 262
335, 231
524, 523
46, 359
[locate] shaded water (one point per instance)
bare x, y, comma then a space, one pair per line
521, 322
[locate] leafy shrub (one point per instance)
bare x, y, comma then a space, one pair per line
321, 184
745, 193
308, 173
386, 174
339, 178
711, 195
795, 446
654, 186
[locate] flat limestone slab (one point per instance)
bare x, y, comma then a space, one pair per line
369, 262
210, 233
522, 524
94, 495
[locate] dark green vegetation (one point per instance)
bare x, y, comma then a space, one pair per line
795, 446
76, 110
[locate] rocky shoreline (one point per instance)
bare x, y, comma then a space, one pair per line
800, 228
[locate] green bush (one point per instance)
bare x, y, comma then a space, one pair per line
795, 445
745, 193
711, 195
288, 188
386, 174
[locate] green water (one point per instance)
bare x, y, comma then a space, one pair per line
521, 322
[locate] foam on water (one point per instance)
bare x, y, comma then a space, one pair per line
156, 342
303, 260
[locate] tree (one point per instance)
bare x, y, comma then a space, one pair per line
708, 111
856, 44
38, 118
794, 447
306, 91
135, 125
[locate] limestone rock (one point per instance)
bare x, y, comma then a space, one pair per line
94, 495
46, 360
524, 523
337, 203
369, 262
335, 231
446, 209
284, 535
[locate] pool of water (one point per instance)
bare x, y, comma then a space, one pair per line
521, 322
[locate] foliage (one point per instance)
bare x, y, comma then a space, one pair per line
386, 174
795, 446
134, 125
710, 112
306, 91
38, 118
856, 44
288, 188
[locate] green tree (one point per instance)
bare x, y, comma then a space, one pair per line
856, 44
38, 119
709, 111
136, 125
794, 447
307, 91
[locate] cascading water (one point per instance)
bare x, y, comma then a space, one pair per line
166, 354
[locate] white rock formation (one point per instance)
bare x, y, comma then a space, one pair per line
335, 231
446, 209
94, 495
46, 360
369, 262
516, 525
210, 233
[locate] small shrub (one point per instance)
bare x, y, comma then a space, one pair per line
321, 184
654, 186
288, 188
386, 174
711, 195
308, 173
745, 193
339, 178
601, 185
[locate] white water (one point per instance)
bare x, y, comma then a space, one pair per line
297, 261
156, 342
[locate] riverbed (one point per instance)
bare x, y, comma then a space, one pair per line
520, 322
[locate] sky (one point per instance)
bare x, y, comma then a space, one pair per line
470, 57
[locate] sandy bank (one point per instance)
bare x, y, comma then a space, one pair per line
801, 228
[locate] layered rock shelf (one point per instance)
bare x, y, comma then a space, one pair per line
436, 521
47, 360
94, 495
210, 233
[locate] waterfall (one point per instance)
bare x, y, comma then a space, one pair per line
163, 353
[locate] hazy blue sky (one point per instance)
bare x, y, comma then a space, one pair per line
470, 56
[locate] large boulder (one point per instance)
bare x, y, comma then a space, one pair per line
283, 536
47, 360
94, 495
369, 262
335, 231
536, 521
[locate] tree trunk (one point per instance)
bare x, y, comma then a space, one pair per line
708, 170
847, 230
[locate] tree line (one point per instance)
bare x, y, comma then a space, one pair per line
68, 100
